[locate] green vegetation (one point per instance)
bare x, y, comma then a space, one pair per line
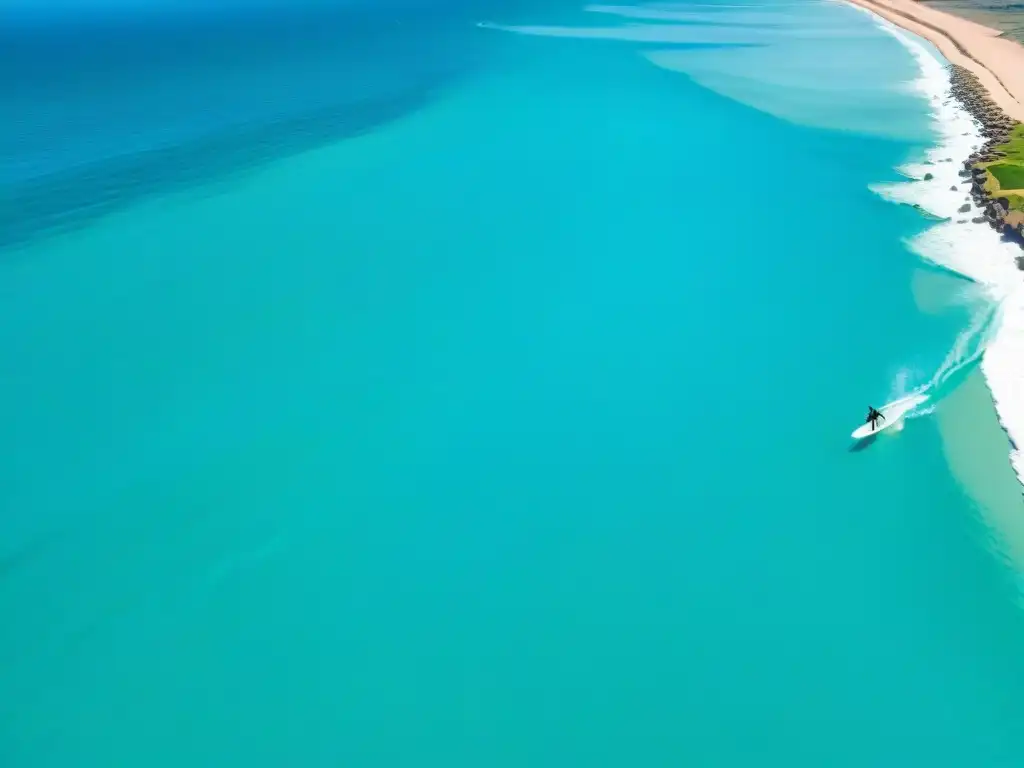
1014, 148
1008, 172
1009, 175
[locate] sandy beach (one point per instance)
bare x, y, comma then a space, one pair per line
997, 61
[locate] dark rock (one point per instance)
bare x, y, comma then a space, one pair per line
964, 208
995, 215
928, 177
953, 188
961, 221
978, 220
1012, 232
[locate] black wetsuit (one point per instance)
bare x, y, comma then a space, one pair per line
874, 417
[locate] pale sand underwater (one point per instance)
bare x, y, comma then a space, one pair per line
997, 61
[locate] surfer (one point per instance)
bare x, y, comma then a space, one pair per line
873, 418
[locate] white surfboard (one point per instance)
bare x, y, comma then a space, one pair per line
893, 413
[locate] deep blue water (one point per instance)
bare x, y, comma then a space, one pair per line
486, 404
116, 110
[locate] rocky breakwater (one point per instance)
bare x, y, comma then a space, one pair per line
996, 128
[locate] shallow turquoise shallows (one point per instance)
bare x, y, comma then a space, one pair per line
513, 431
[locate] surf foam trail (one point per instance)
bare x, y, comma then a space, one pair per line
968, 349
995, 337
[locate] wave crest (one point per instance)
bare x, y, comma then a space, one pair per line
973, 250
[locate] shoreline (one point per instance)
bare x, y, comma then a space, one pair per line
975, 131
996, 61
987, 80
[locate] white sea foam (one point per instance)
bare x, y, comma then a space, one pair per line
762, 75
974, 250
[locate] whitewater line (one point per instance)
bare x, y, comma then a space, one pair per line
974, 251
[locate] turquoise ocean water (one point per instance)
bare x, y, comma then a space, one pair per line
506, 424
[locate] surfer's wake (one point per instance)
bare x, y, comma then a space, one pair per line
966, 351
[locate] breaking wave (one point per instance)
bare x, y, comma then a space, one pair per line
995, 337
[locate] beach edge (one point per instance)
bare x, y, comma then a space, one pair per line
983, 256
996, 61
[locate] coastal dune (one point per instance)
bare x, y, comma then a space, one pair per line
996, 61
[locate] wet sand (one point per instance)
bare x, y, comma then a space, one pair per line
997, 61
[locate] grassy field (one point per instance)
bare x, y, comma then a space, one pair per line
1009, 176
1008, 173
1014, 148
